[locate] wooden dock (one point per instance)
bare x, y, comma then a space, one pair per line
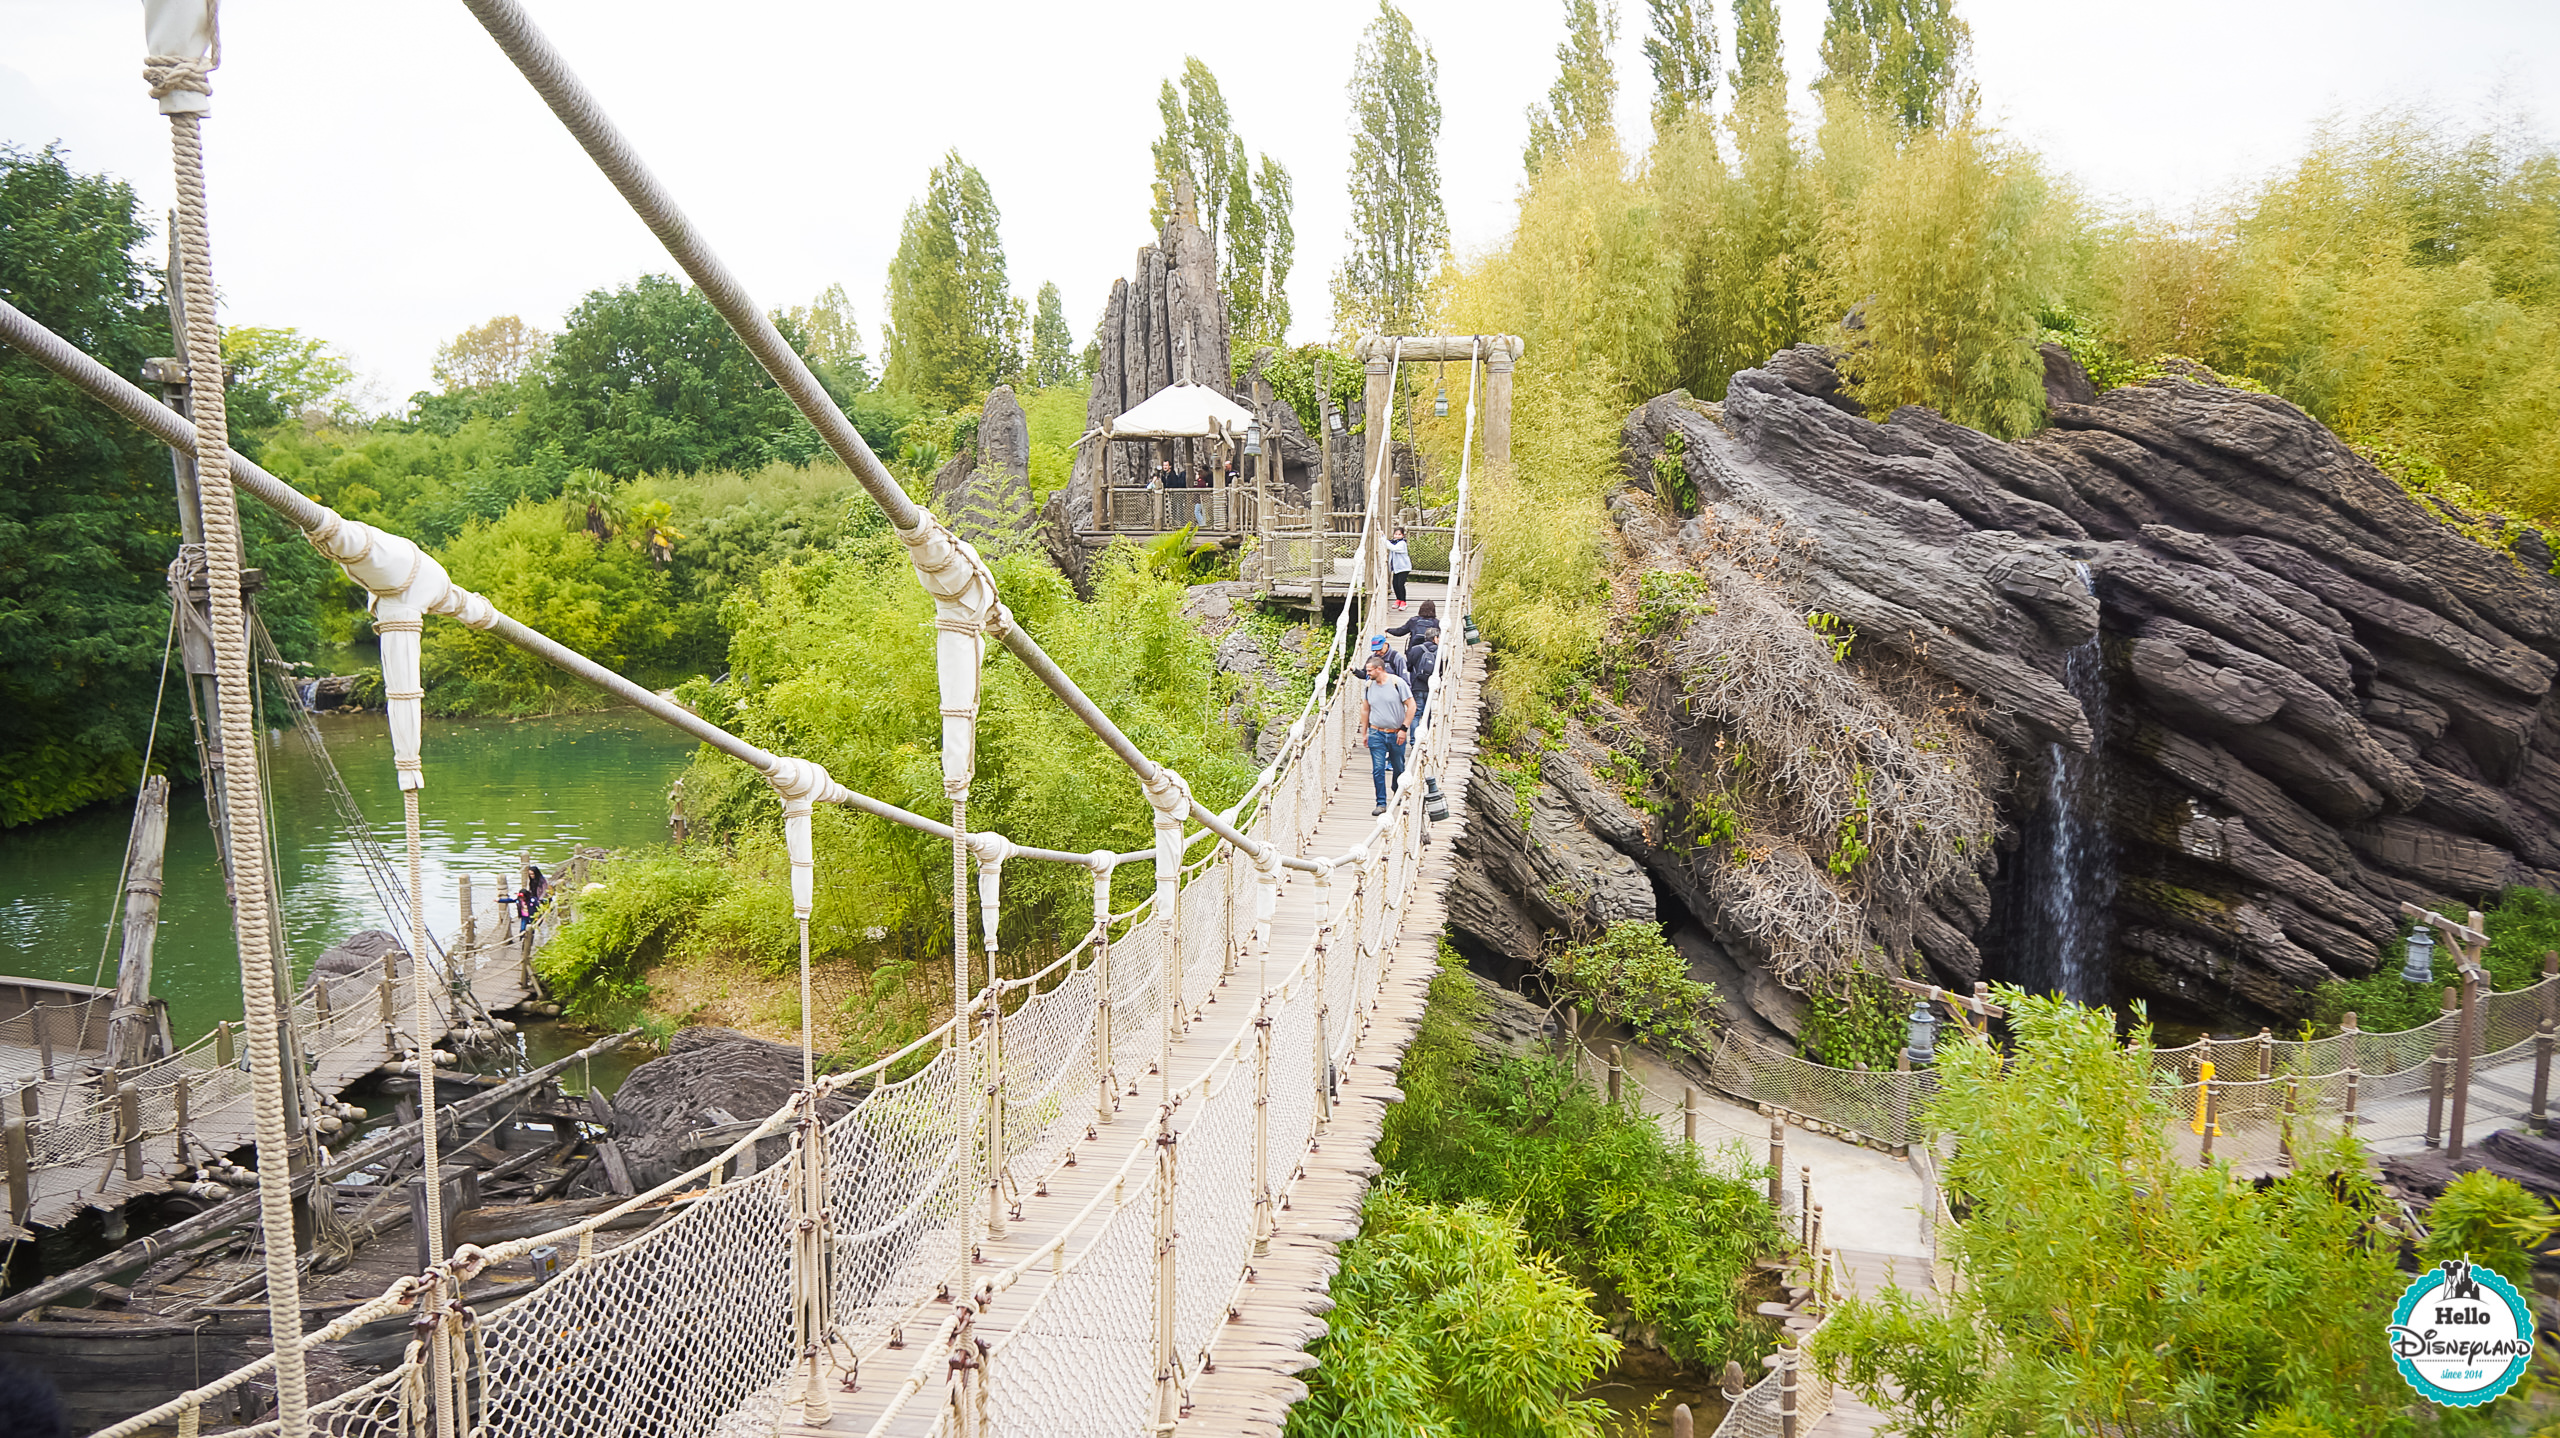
77, 1139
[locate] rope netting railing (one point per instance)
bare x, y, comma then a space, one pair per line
2263, 1088
691, 1322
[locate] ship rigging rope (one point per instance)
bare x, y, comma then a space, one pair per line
244, 810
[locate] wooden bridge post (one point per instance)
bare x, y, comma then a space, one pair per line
470, 917
1168, 1368
2355, 1068
812, 1241
1324, 1047
132, 1037
2437, 1063
1617, 1072
20, 1148
1689, 1118
1786, 1385
2466, 1043
1106, 1079
1499, 357
2542, 1040
1263, 1223
1777, 1164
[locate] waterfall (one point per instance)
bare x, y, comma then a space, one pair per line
2067, 941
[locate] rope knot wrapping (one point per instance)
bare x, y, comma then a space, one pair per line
174, 74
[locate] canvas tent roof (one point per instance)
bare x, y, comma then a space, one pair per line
1184, 411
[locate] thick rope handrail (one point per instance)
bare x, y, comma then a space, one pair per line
180, 82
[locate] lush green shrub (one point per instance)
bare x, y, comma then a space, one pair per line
648, 906
2485, 1219
1447, 1325
1631, 975
1659, 1233
1854, 1018
2108, 1287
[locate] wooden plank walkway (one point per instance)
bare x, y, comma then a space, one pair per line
1253, 1356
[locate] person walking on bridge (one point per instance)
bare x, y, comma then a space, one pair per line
1399, 563
1390, 713
1420, 658
1379, 650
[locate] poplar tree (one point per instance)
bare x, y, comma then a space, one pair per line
1399, 228
830, 335
954, 326
1586, 83
1198, 144
1261, 246
1052, 360
1905, 58
1243, 209
1682, 50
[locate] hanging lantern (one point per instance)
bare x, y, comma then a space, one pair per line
1435, 805
1253, 439
1333, 419
1474, 636
2420, 966
1440, 406
1924, 1034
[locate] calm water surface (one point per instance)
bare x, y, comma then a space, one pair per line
495, 790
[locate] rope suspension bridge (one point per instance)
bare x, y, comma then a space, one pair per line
1072, 1208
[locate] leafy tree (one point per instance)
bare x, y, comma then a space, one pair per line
1399, 228
544, 565
832, 337
648, 377
1447, 1323
87, 523
1199, 144
1906, 58
2106, 1286
1261, 246
1244, 211
1759, 54
491, 355
1631, 975
954, 327
1586, 83
283, 374
1682, 50
1050, 340
1946, 256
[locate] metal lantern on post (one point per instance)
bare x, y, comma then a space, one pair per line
1253, 439
2419, 967
1435, 805
1924, 1034
1474, 635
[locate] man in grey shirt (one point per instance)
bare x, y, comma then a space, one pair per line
1390, 715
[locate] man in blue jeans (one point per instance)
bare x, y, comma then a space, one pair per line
1390, 714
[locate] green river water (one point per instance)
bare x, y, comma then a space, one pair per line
495, 789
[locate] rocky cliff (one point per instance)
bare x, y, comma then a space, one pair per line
2175, 700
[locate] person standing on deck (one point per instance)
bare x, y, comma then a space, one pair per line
1399, 563
1390, 714
1421, 656
1425, 624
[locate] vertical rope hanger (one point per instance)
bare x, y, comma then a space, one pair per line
184, 46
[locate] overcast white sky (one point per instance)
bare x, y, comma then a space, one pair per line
382, 178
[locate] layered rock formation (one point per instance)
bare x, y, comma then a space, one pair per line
984, 492
2213, 647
